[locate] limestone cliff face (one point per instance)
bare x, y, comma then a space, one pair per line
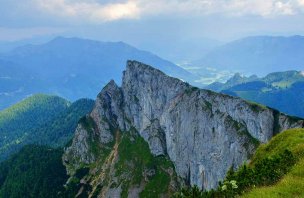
202, 132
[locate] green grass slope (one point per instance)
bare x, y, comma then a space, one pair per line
292, 184
42, 119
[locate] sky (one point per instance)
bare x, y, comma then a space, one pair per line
151, 24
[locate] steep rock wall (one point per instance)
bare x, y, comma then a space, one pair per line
203, 133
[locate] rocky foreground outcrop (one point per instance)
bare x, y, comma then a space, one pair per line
203, 133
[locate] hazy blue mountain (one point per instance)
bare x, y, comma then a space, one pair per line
6, 46
71, 67
182, 50
234, 80
281, 90
40, 119
257, 55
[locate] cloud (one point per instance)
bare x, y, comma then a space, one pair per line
89, 10
301, 2
264, 8
97, 12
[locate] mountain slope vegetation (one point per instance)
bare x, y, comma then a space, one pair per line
35, 171
123, 168
291, 185
41, 119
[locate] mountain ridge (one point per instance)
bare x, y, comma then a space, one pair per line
275, 90
40, 119
171, 117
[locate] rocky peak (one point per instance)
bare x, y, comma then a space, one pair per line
239, 79
108, 113
236, 77
202, 132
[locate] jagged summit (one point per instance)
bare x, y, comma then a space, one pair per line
136, 69
203, 133
137, 66
111, 84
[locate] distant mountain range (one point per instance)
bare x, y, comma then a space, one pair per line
182, 50
75, 68
6, 46
281, 90
70, 67
257, 55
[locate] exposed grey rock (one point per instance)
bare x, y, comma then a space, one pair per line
80, 148
155, 135
105, 117
203, 133
107, 112
113, 192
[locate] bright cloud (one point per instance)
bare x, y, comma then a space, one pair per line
90, 10
94, 11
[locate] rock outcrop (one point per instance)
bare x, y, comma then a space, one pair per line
202, 132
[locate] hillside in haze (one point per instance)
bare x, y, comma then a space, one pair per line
257, 55
71, 68
281, 90
40, 119
183, 50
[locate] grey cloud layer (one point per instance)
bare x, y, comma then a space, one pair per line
93, 11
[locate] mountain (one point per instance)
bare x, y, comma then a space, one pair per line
277, 90
181, 50
234, 80
40, 119
6, 46
257, 55
71, 68
35, 171
155, 133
